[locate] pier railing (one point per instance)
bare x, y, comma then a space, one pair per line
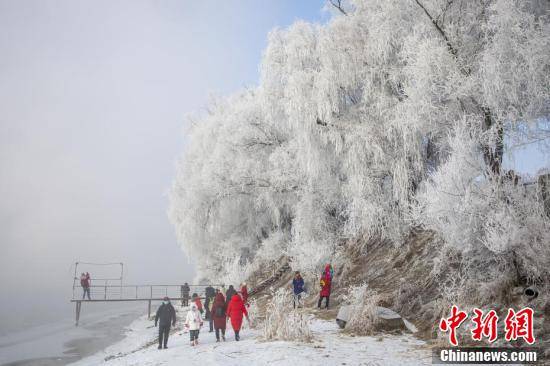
136, 292
148, 293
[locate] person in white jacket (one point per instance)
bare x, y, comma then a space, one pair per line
193, 321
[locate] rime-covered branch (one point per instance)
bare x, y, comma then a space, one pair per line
338, 5
365, 127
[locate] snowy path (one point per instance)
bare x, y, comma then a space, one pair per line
328, 348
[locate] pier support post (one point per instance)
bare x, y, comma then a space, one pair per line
78, 307
149, 310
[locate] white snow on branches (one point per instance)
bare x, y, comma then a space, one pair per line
392, 116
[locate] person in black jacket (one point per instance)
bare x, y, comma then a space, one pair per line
185, 294
229, 294
209, 294
166, 315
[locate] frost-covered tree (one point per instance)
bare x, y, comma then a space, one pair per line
393, 114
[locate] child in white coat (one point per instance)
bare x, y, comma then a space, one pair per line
193, 321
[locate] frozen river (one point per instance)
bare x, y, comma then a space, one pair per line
60, 342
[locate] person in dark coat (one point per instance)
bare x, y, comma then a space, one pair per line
244, 293
219, 316
166, 315
297, 288
229, 294
209, 291
185, 294
208, 302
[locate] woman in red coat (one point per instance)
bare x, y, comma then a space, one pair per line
235, 311
218, 314
325, 282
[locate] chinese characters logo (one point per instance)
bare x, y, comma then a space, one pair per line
516, 325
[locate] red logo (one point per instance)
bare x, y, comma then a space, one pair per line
517, 325
520, 325
485, 326
452, 323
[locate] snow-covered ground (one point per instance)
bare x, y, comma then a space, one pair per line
329, 347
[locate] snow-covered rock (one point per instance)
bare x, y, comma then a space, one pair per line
387, 319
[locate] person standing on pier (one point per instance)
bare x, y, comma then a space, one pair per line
166, 316
85, 283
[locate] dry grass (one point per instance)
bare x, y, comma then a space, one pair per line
282, 322
413, 281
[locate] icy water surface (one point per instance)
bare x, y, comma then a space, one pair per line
61, 342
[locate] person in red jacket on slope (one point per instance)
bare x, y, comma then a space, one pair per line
325, 283
235, 311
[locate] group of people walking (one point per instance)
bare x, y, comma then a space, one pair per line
217, 310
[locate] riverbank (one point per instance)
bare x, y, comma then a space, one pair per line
329, 347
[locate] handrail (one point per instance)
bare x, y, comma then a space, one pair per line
147, 293
134, 286
110, 292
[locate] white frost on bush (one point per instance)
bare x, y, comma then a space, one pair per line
363, 314
282, 322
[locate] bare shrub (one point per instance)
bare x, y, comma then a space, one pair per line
253, 314
282, 322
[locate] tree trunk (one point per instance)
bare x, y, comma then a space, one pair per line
493, 155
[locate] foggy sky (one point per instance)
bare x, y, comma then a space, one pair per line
93, 99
